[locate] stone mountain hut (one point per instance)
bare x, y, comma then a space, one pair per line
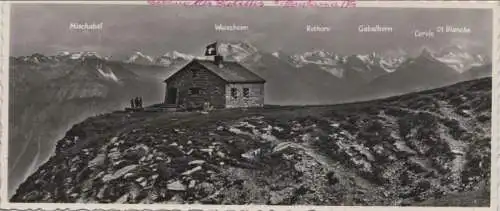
223, 84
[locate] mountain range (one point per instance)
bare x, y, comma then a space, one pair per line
48, 94
314, 74
373, 64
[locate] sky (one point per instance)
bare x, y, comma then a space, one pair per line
156, 30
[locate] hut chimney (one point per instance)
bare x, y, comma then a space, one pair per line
218, 59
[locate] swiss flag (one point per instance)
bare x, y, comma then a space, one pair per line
211, 50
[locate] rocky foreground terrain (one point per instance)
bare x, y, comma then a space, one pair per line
428, 148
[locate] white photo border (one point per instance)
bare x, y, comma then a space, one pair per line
5, 7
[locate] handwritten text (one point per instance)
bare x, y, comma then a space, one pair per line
256, 3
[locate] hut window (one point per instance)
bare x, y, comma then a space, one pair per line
246, 92
234, 93
194, 91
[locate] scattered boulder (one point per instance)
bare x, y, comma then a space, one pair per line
252, 155
196, 162
97, 161
280, 197
206, 188
119, 173
192, 183
176, 186
191, 171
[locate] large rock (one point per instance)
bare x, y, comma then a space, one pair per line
279, 197
97, 161
119, 173
176, 186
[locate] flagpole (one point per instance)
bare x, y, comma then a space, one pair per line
216, 47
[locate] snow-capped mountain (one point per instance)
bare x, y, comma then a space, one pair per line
139, 58
390, 64
38, 58
232, 51
372, 65
63, 53
276, 54
170, 58
63, 64
327, 61
84, 55
459, 57
106, 73
35, 58
318, 57
415, 74
81, 55
374, 60
178, 55
338, 64
236, 51
166, 59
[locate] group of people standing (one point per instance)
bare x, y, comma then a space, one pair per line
136, 102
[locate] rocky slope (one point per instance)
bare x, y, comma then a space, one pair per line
415, 149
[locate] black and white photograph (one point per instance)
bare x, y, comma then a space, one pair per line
143, 104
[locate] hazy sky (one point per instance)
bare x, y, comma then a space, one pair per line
155, 30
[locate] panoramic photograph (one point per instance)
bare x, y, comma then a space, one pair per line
137, 104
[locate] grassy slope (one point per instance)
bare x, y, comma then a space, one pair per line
416, 149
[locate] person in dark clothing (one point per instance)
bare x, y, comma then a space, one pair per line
140, 102
137, 102
132, 103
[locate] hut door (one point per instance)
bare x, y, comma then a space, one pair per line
172, 96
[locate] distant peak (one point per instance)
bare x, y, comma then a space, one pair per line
139, 57
177, 55
426, 53
63, 53
37, 54
236, 42
84, 55
243, 44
